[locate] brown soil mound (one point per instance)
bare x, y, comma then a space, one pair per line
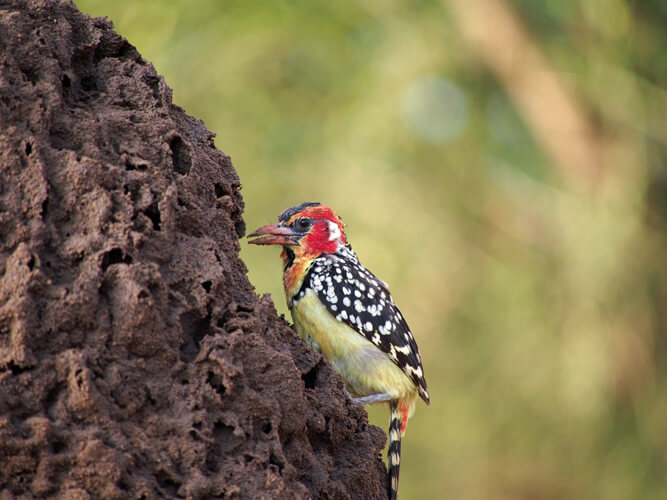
135, 359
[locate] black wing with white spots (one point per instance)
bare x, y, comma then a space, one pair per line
355, 296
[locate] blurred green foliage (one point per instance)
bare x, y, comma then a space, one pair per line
540, 306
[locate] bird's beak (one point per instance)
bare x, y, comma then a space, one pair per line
275, 234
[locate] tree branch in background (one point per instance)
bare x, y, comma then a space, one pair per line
556, 119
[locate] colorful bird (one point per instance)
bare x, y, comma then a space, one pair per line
343, 311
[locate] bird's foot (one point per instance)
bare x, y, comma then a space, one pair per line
370, 399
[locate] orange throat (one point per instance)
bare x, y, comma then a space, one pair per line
295, 272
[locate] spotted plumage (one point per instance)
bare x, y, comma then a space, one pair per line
345, 312
353, 295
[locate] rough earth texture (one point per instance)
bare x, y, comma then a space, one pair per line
135, 359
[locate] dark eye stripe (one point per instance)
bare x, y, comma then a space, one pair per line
302, 223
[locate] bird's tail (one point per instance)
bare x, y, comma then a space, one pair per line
394, 452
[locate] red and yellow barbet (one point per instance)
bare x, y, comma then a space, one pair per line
343, 311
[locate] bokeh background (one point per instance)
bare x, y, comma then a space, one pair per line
501, 163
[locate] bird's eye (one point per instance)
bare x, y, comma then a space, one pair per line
303, 223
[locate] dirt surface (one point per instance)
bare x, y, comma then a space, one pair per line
136, 360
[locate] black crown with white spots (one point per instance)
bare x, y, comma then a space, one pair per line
356, 297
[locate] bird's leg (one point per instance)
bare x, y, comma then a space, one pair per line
370, 399
373, 398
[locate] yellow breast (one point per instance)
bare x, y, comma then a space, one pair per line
363, 367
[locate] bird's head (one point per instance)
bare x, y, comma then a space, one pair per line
309, 229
